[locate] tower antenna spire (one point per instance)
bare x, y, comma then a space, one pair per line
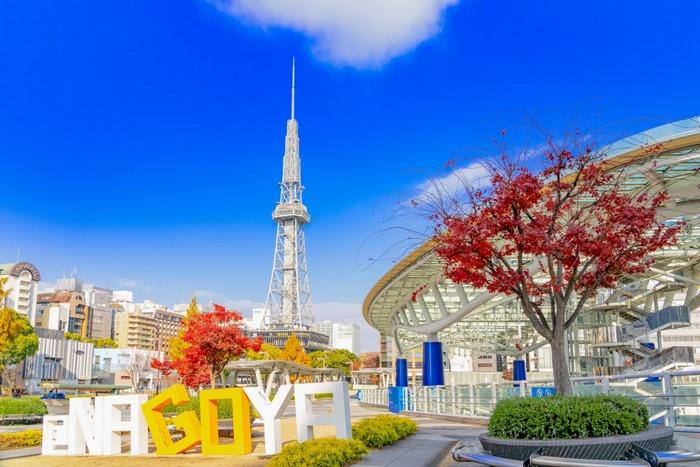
293, 72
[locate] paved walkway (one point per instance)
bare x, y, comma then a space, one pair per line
17, 453
427, 448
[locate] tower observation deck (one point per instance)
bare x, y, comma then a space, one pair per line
288, 304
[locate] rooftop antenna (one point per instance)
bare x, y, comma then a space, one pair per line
293, 71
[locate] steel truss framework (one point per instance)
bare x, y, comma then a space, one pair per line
468, 318
288, 303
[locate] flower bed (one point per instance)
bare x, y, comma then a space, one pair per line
21, 439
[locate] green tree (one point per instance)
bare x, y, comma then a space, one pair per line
335, 358
17, 339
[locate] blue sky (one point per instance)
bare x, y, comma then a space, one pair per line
142, 141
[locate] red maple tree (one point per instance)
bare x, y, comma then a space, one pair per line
574, 219
211, 340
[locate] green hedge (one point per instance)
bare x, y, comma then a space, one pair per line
21, 439
320, 453
382, 430
21, 406
567, 417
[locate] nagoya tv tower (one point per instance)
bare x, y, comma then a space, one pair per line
288, 304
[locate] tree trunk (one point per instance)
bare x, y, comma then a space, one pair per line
560, 362
212, 378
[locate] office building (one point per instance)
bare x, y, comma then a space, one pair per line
23, 283
341, 336
136, 330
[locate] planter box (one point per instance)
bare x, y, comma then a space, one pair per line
608, 447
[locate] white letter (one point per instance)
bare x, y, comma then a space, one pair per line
83, 420
114, 424
271, 412
54, 436
306, 419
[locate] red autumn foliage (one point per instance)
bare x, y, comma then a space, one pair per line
585, 230
211, 341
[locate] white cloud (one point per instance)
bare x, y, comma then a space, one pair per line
133, 284
357, 33
475, 174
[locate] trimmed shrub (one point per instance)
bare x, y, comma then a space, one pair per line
567, 417
21, 406
21, 439
382, 430
324, 452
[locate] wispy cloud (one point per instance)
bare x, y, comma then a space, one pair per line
357, 33
475, 174
132, 284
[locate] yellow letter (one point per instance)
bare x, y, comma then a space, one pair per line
240, 411
186, 421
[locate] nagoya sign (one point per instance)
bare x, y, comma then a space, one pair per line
96, 427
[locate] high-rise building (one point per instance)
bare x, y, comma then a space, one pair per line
386, 351
324, 327
342, 336
346, 336
256, 321
69, 284
136, 330
97, 296
23, 284
288, 304
168, 323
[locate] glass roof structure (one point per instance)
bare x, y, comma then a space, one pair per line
460, 316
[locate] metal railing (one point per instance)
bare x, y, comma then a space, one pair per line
673, 398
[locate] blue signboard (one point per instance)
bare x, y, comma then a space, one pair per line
396, 399
542, 391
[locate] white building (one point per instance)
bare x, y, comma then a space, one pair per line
324, 327
58, 360
125, 300
148, 306
342, 336
123, 296
97, 297
23, 283
256, 321
346, 336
